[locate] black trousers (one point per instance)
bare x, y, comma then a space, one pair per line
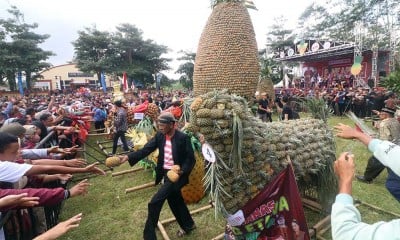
99, 125
119, 134
374, 168
172, 193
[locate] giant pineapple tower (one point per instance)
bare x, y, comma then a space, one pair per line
227, 55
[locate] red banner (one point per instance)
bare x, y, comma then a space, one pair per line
275, 213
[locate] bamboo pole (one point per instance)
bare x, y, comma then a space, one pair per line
219, 237
170, 220
97, 134
143, 186
106, 141
104, 147
127, 171
162, 230
100, 129
326, 221
311, 204
379, 209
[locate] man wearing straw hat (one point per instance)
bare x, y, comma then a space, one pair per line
389, 129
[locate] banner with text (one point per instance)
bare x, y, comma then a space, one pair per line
275, 213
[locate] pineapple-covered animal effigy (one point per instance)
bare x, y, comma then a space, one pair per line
250, 153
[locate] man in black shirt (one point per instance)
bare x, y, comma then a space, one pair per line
263, 110
287, 112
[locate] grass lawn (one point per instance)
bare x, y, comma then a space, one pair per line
109, 213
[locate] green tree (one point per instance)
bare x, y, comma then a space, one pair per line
122, 51
279, 37
19, 49
392, 82
94, 51
186, 69
336, 19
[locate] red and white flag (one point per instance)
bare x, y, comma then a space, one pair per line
125, 81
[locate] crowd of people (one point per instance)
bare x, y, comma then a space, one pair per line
26, 151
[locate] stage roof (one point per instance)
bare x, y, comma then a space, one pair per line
335, 52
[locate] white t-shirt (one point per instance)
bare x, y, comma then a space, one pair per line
12, 172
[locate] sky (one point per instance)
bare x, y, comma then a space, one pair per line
176, 24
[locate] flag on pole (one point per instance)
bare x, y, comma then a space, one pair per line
125, 82
275, 213
20, 86
103, 82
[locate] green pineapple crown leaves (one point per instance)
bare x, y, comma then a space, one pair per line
246, 3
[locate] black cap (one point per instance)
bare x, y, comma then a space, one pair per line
388, 110
118, 103
166, 117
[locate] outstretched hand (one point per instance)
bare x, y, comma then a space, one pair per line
345, 131
77, 162
61, 228
80, 189
93, 169
21, 200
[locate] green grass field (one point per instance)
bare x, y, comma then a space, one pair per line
109, 213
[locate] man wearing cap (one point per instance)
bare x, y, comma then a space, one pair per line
174, 149
389, 129
263, 110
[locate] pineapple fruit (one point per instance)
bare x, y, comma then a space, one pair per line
194, 190
112, 162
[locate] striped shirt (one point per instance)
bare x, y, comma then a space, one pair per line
168, 160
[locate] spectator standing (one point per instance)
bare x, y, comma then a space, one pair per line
99, 116
389, 130
263, 111
121, 126
345, 218
287, 112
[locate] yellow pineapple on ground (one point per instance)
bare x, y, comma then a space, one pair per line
194, 190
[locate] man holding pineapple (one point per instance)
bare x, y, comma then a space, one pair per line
175, 154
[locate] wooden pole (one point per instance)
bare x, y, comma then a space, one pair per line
95, 130
170, 220
322, 224
143, 186
312, 204
380, 209
219, 237
162, 230
127, 171
106, 141
97, 134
